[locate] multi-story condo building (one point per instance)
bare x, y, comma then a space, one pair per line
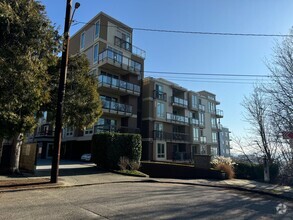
225, 142
178, 123
119, 67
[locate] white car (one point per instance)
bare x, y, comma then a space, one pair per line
86, 157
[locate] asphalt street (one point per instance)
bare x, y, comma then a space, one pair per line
141, 200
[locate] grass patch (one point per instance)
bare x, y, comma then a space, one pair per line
131, 173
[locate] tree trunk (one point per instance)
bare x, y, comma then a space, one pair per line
1, 149
15, 153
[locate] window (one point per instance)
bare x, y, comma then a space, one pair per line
203, 149
88, 131
96, 53
158, 126
69, 131
160, 150
201, 118
126, 39
160, 110
82, 40
214, 122
214, 137
195, 132
97, 29
211, 107
214, 151
194, 101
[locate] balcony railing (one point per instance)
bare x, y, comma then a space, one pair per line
201, 107
203, 139
118, 107
48, 133
119, 84
182, 156
120, 60
128, 46
114, 128
177, 118
179, 101
160, 95
220, 113
175, 136
194, 121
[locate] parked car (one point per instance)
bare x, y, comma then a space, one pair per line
86, 157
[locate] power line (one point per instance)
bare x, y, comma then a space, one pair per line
207, 74
195, 32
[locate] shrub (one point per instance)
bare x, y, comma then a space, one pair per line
123, 163
228, 169
224, 164
134, 165
108, 148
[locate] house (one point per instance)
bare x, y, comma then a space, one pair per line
178, 123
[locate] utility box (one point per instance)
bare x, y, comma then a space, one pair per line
28, 155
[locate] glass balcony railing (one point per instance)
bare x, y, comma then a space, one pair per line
203, 139
177, 118
115, 106
120, 60
160, 95
194, 121
119, 84
130, 47
220, 113
179, 101
201, 107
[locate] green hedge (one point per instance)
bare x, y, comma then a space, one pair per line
255, 171
107, 148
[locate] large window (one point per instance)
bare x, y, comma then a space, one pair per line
194, 101
214, 137
214, 122
96, 53
69, 131
160, 110
82, 40
201, 118
195, 132
161, 150
88, 131
97, 29
212, 107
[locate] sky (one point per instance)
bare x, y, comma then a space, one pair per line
193, 53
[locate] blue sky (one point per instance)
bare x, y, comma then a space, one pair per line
197, 53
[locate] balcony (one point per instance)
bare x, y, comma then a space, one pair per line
177, 118
114, 128
201, 107
219, 113
117, 108
167, 136
129, 47
47, 133
203, 139
179, 102
194, 121
121, 86
160, 95
117, 62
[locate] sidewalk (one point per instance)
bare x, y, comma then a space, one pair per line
83, 174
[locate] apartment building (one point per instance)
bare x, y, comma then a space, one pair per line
119, 67
224, 137
178, 123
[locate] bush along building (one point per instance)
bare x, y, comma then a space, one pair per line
119, 67
177, 123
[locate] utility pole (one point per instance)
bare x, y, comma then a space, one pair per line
61, 93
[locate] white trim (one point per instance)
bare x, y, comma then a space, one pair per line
165, 150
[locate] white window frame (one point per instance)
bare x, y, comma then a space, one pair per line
82, 40
88, 131
161, 155
214, 137
95, 59
160, 113
97, 35
195, 134
69, 132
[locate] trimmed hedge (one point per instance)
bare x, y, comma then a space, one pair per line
107, 148
255, 171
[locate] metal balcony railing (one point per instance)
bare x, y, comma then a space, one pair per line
182, 156
115, 106
120, 60
168, 136
129, 47
114, 128
160, 95
179, 101
119, 84
177, 118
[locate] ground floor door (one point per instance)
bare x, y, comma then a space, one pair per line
161, 151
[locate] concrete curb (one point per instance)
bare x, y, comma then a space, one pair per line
62, 184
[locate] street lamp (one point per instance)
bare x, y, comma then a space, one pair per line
61, 92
